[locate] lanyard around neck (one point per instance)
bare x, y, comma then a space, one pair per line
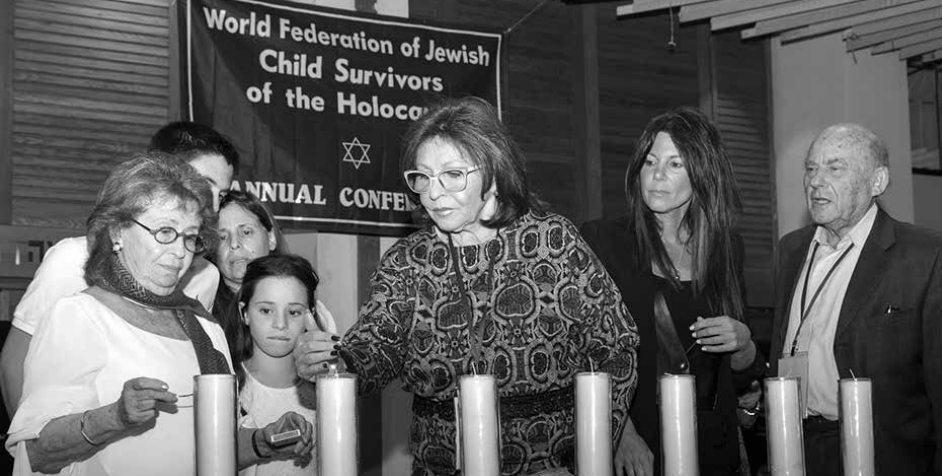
806, 309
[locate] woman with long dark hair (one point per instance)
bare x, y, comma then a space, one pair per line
678, 264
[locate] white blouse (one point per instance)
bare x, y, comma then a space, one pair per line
79, 359
262, 405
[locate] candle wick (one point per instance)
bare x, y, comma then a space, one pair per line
474, 368
852, 374
591, 365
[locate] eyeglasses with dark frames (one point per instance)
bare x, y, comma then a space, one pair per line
452, 180
166, 235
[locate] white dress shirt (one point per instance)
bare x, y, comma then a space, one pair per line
820, 323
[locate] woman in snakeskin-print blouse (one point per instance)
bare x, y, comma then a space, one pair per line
494, 281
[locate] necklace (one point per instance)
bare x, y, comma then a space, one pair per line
676, 263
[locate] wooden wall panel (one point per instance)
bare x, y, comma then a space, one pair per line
538, 95
6, 112
742, 112
639, 77
90, 85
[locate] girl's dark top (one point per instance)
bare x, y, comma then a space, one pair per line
614, 243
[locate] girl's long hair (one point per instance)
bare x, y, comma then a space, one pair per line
710, 217
271, 266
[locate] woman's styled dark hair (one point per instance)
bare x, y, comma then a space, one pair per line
271, 266
134, 186
188, 140
710, 217
471, 125
253, 205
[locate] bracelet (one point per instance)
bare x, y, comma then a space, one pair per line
255, 446
82, 430
753, 410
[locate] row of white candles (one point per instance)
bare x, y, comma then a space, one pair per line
479, 425
216, 430
784, 427
215, 397
786, 445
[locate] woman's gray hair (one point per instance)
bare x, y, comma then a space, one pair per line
134, 186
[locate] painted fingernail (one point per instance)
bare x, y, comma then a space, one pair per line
335, 338
698, 341
337, 347
333, 353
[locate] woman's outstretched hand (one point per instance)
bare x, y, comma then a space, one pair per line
721, 334
139, 398
725, 334
314, 352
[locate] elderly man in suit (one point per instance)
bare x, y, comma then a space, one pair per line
860, 293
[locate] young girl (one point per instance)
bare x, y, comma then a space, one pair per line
276, 305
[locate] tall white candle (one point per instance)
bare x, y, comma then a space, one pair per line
480, 427
857, 426
783, 411
593, 424
679, 425
214, 398
337, 424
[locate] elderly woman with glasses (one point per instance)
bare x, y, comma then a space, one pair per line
108, 369
493, 285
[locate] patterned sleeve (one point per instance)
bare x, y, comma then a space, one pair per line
375, 347
610, 337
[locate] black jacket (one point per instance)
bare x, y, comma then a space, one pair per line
889, 330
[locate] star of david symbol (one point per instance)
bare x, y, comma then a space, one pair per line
354, 156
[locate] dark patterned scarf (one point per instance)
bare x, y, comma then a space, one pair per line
112, 276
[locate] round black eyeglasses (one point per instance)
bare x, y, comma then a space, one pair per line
166, 235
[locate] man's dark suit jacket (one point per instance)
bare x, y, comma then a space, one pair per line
889, 330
